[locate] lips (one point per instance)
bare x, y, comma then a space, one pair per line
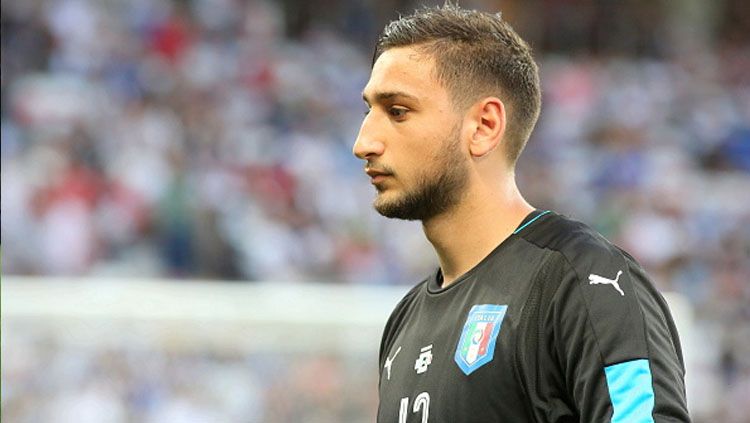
372, 173
377, 175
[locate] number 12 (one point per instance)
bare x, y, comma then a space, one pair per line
421, 402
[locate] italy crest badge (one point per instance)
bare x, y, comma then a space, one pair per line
476, 347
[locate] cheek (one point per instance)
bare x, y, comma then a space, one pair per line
420, 149
423, 163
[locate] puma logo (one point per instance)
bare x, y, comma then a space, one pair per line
596, 280
389, 362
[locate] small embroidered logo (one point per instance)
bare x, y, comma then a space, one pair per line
596, 280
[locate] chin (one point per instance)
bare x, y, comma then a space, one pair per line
395, 208
382, 201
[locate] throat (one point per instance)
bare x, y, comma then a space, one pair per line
462, 242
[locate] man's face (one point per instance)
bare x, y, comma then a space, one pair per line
410, 138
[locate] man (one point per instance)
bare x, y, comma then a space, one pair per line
531, 317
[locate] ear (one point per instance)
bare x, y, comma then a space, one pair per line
488, 121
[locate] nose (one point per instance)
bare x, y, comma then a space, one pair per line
367, 143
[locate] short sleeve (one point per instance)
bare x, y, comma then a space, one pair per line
616, 341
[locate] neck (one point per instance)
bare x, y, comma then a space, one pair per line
485, 217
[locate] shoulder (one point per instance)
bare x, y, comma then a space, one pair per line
398, 316
583, 248
406, 302
601, 287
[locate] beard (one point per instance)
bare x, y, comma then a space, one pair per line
437, 190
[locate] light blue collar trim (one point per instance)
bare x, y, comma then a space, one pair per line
530, 222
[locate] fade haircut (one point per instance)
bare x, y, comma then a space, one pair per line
477, 55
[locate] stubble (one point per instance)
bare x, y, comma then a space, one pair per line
436, 191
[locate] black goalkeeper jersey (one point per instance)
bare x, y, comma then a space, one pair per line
555, 325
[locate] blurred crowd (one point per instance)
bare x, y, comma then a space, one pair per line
149, 383
212, 139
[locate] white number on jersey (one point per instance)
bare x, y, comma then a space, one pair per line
421, 403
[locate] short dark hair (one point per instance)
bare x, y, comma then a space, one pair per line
477, 54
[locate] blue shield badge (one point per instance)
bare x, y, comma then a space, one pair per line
476, 347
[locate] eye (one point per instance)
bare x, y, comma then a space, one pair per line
397, 112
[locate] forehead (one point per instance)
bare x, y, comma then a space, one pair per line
407, 70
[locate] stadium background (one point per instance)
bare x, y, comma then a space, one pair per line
187, 238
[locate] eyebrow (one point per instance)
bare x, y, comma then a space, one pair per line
383, 96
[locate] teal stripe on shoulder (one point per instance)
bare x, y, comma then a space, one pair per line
530, 222
631, 391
